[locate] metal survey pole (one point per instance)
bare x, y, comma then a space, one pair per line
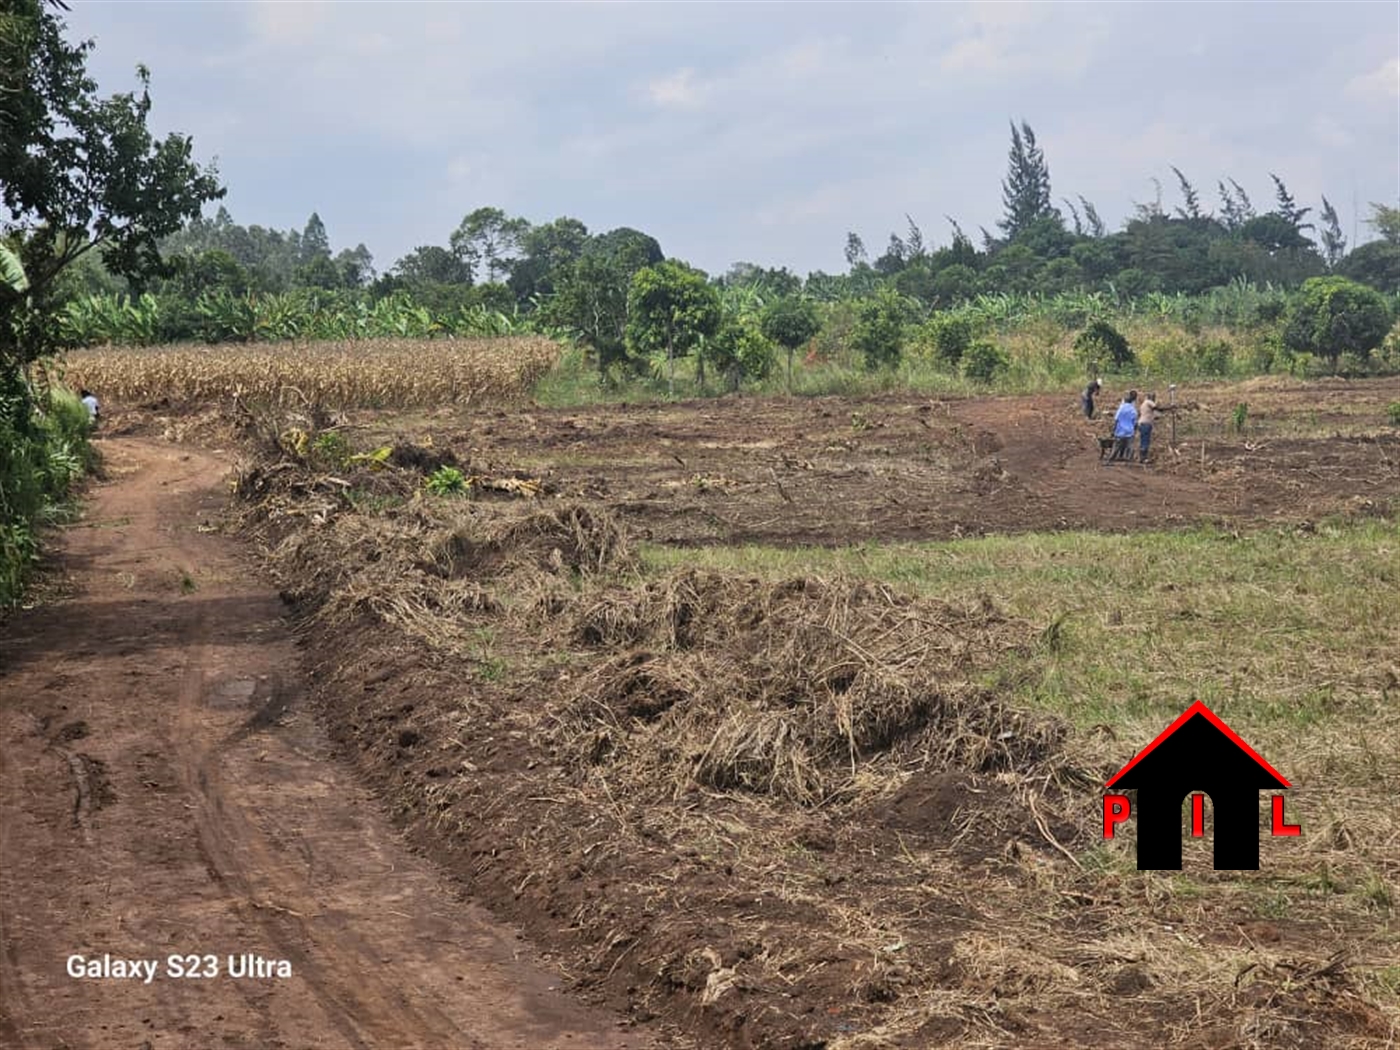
1171, 390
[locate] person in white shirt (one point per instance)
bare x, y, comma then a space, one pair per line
90, 403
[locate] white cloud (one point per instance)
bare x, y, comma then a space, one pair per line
677, 91
1330, 134
288, 22
1381, 85
1008, 38
804, 60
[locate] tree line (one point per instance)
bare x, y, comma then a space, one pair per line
172, 273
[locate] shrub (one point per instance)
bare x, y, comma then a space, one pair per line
44, 451
446, 481
1213, 358
331, 448
1352, 365
984, 361
1393, 413
879, 330
740, 349
951, 335
1388, 356
1103, 348
1239, 417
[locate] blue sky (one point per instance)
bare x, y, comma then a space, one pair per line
753, 131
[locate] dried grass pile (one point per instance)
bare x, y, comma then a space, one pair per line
438, 580
433, 567
797, 689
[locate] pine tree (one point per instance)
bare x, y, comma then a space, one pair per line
1235, 209
1074, 214
1334, 244
1026, 190
1242, 201
1092, 220
915, 243
1288, 208
1191, 200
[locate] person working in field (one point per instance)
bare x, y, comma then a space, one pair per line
1086, 399
1147, 415
90, 403
1124, 427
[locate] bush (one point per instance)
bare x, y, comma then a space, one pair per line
984, 361
1213, 358
45, 450
879, 330
951, 335
740, 350
1353, 365
1103, 348
1393, 413
1388, 356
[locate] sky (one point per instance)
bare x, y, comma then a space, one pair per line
754, 131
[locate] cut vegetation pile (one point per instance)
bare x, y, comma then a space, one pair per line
615, 725
801, 689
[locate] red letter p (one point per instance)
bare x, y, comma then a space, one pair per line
1115, 810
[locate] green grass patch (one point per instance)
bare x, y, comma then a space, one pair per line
1275, 626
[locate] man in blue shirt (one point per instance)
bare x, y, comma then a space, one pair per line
1124, 427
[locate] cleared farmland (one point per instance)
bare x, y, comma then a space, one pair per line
847, 795
785, 721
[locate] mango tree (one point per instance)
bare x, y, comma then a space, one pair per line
790, 322
590, 300
671, 307
79, 172
1332, 316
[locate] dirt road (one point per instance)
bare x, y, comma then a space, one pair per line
163, 794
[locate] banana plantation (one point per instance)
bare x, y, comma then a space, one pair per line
222, 316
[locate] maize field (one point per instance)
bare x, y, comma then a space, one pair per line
372, 373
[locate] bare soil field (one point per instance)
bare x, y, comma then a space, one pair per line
798, 812
837, 470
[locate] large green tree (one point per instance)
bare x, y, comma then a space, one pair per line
486, 241
671, 307
1026, 189
1385, 220
78, 172
546, 252
591, 296
1377, 263
315, 242
1332, 316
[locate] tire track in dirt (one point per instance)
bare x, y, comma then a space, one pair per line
13, 1001
231, 827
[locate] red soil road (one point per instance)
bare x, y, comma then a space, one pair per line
162, 793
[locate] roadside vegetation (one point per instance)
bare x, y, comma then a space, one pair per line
44, 451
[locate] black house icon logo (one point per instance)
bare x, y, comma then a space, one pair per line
1198, 753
